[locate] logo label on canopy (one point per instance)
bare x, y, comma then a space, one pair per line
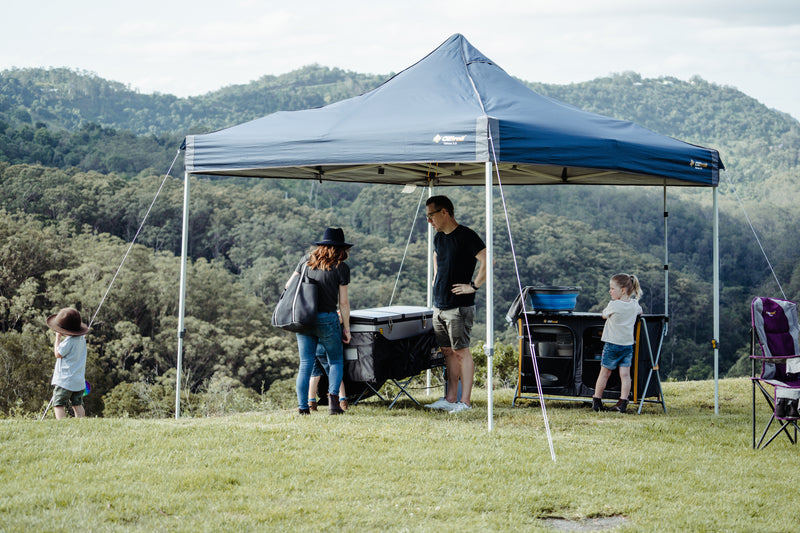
449, 139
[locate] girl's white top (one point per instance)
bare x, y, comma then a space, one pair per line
71, 367
620, 318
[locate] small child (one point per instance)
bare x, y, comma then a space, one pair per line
621, 314
70, 351
322, 368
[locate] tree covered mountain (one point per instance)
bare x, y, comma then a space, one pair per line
81, 159
66, 99
756, 143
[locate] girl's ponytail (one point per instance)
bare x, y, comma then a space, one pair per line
630, 283
637, 289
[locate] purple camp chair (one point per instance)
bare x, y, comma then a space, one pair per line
776, 331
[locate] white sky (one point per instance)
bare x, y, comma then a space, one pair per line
190, 48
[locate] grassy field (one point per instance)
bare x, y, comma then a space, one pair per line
406, 469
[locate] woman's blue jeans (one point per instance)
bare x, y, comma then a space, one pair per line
328, 332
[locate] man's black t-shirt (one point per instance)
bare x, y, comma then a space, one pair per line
455, 263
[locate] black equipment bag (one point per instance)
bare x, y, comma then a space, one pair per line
297, 306
380, 359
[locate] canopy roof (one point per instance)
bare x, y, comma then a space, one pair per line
444, 118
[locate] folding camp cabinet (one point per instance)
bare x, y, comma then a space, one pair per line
568, 352
392, 343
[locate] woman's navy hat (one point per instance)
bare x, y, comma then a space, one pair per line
333, 237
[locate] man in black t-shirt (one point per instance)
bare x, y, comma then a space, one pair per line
457, 249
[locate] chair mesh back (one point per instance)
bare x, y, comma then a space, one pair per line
776, 325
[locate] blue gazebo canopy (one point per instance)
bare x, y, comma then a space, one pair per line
444, 118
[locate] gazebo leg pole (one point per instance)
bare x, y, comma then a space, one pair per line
429, 284
489, 299
715, 342
182, 297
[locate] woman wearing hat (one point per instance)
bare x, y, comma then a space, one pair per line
326, 267
70, 351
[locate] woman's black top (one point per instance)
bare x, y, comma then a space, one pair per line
328, 282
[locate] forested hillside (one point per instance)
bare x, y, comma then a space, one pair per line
66, 99
81, 159
755, 142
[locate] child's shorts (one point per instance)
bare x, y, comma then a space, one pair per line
319, 368
615, 355
63, 397
321, 365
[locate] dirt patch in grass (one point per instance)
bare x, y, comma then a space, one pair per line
584, 524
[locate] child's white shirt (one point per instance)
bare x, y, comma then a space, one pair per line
620, 318
70, 369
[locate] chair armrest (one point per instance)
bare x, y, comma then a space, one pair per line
778, 383
774, 357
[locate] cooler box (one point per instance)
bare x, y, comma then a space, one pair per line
393, 322
392, 342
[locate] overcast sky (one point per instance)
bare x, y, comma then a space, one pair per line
190, 48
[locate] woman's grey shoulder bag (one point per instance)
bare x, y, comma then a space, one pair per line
297, 306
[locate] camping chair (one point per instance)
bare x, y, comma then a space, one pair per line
776, 331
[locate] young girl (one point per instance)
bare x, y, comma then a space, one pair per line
620, 314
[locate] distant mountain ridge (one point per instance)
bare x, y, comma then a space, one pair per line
65, 98
753, 140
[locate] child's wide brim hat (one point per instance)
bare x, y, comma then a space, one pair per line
333, 237
68, 322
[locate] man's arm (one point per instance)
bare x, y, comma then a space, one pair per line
481, 277
466, 288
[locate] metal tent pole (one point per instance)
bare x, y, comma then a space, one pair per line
429, 277
430, 255
489, 300
182, 297
715, 341
666, 261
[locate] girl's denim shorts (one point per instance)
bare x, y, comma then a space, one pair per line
615, 355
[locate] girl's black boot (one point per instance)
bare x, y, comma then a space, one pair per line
597, 404
620, 406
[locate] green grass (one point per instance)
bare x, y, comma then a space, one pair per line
404, 469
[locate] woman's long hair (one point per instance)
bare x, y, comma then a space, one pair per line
325, 257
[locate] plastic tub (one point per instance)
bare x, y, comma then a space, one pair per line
553, 298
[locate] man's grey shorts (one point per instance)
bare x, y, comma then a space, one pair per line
452, 326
